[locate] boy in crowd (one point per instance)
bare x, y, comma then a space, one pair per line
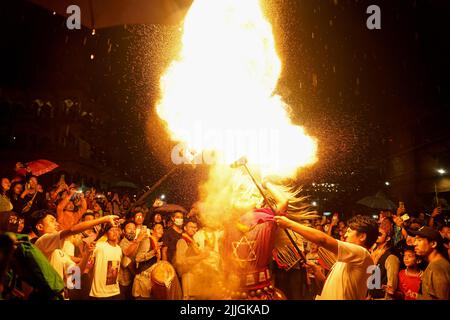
107, 256
50, 240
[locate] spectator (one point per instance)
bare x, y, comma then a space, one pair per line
125, 204
129, 245
107, 258
444, 230
66, 212
188, 256
173, 234
98, 211
22, 172
89, 216
51, 241
138, 219
116, 204
348, 278
422, 219
333, 228
436, 277
156, 218
312, 258
5, 203
148, 254
15, 193
9, 222
409, 279
387, 262
32, 199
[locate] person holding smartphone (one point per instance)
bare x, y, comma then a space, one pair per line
32, 200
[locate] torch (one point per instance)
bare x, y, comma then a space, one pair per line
242, 162
189, 158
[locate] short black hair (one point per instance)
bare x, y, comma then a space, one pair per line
409, 248
155, 224
175, 212
367, 225
127, 222
31, 177
36, 217
192, 220
90, 213
134, 213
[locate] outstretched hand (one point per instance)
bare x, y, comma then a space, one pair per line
282, 221
112, 219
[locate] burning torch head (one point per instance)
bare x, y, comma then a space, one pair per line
239, 163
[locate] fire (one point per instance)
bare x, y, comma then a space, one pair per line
219, 94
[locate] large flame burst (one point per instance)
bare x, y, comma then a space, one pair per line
219, 94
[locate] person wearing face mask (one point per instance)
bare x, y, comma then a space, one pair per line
172, 235
129, 245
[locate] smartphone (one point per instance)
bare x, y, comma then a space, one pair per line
405, 217
327, 213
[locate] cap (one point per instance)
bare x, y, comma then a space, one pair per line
427, 232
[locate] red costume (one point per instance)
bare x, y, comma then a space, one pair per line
247, 251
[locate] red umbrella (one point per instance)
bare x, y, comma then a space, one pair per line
108, 13
40, 167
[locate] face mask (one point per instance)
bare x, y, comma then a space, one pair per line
130, 236
179, 222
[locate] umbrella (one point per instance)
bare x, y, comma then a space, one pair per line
40, 167
170, 208
378, 201
108, 13
126, 184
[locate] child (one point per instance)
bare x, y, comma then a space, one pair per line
409, 279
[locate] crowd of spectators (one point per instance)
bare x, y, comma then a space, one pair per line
117, 245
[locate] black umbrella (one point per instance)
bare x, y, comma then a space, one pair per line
378, 201
170, 208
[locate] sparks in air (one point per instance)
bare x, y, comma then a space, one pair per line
218, 96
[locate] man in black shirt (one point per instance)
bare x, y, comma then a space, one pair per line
173, 234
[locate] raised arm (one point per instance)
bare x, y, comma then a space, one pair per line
63, 204
86, 225
143, 252
131, 250
79, 213
310, 234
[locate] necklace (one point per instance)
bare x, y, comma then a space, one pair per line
414, 275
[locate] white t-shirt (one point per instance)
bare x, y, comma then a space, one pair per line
51, 246
106, 270
348, 277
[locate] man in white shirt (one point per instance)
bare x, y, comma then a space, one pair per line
51, 240
348, 277
107, 255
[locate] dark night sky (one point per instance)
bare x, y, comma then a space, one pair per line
367, 81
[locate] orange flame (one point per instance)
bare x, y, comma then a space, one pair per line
219, 94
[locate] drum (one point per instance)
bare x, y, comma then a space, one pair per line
164, 281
